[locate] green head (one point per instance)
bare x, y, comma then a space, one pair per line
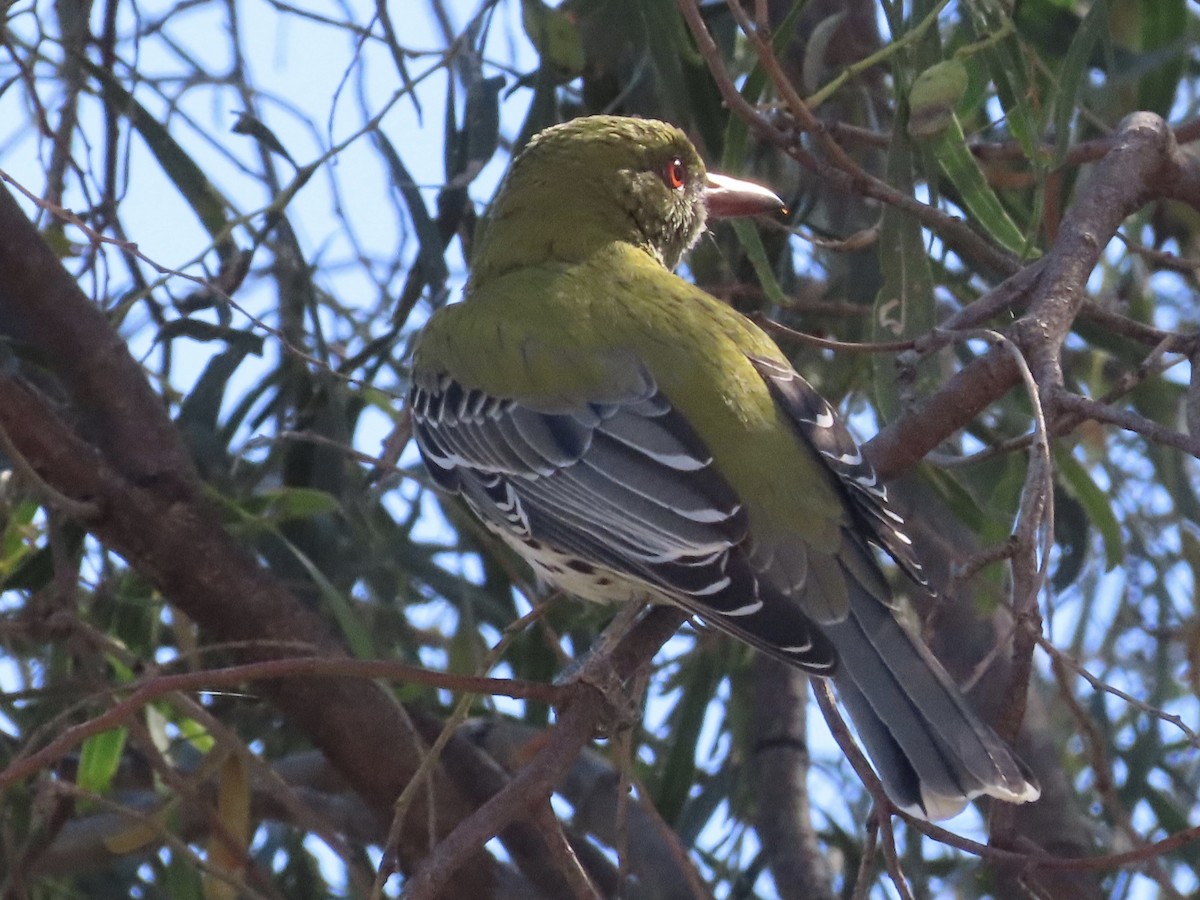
591, 181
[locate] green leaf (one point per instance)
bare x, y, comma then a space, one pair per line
206, 332
699, 810
201, 194
960, 166
251, 126
757, 254
1163, 25
933, 97
543, 107
287, 503
961, 502
1077, 481
1170, 817
1092, 29
201, 408
226, 851
99, 758
358, 637
1003, 497
430, 247
181, 879
1175, 476
737, 132
701, 674
682, 81
815, 55
480, 136
1006, 64
554, 33
354, 630
905, 305
1072, 533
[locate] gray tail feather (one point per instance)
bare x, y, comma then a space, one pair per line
932, 752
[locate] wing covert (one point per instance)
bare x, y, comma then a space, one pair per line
819, 425
624, 484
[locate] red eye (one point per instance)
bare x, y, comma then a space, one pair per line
676, 173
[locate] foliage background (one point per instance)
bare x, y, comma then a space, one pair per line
264, 200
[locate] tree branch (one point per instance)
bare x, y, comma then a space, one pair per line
577, 723
152, 511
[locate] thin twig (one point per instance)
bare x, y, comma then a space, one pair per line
887, 841
791, 334
1099, 684
423, 775
862, 878
577, 723
1102, 770
80, 510
146, 691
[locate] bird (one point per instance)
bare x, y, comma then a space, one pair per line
636, 439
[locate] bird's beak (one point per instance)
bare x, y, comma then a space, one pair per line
727, 197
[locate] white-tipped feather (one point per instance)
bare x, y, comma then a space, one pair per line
607, 490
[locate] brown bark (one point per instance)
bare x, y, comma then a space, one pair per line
126, 461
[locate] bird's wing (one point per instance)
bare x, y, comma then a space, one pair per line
624, 484
930, 748
820, 427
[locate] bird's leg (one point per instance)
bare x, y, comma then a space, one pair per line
623, 751
594, 670
622, 623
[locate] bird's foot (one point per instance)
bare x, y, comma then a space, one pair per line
594, 671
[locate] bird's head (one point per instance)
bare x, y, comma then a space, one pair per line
599, 179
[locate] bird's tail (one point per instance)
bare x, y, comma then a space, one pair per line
931, 750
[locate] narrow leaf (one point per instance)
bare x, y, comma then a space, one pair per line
99, 758
678, 769
1071, 76
201, 194
904, 305
226, 852
757, 254
960, 166
430, 247
1076, 480
1163, 27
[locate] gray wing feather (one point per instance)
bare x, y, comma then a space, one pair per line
820, 427
932, 750
635, 462
624, 484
